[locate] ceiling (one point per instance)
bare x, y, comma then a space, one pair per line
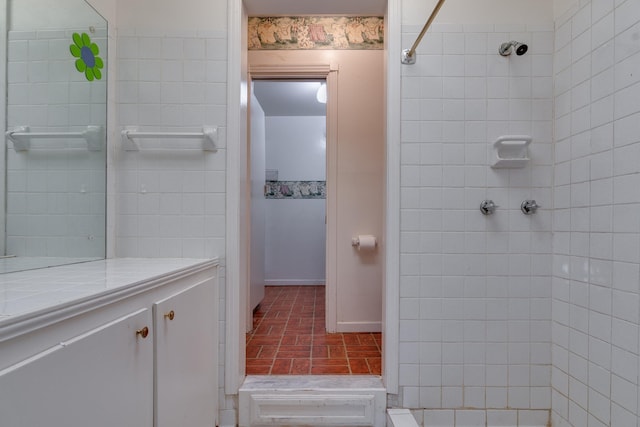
289, 98
315, 7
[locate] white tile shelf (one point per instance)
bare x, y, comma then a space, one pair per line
38, 297
511, 151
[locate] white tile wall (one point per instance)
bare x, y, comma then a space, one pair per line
596, 233
56, 190
171, 194
475, 326
171, 200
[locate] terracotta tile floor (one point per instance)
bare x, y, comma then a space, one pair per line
289, 337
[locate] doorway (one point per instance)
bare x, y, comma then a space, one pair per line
288, 239
307, 65
288, 180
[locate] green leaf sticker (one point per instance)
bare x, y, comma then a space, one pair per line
86, 52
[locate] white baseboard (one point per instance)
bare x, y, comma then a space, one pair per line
296, 282
375, 326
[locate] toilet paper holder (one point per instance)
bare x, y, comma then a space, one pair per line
356, 243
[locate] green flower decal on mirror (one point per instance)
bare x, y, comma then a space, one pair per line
88, 61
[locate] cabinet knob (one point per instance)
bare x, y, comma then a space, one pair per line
170, 315
144, 332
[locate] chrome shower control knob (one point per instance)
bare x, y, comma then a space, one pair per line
529, 207
487, 207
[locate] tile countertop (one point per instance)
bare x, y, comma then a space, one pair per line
31, 292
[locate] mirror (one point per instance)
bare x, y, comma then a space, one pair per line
54, 179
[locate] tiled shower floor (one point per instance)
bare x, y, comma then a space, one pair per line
289, 337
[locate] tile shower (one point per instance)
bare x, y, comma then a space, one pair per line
536, 320
475, 290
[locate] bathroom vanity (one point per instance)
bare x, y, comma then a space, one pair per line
116, 342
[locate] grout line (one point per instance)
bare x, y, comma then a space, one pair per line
313, 328
282, 334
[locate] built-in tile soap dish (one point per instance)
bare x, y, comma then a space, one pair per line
511, 151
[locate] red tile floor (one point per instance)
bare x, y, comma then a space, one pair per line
289, 337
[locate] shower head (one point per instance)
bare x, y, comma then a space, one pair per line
506, 48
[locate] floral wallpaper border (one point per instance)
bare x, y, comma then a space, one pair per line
316, 32
295, 190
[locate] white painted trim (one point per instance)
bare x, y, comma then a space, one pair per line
311, 409
330, 73
112, 144
234, 364
306, 282
391, 284
319, 400
286, 71
331, 260
374, 326
391, 309
3, 114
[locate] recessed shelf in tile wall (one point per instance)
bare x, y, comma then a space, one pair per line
511, 151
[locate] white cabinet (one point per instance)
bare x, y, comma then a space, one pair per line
185, 344
143, 356
100, 378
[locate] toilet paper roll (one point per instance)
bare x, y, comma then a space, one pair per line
366, 242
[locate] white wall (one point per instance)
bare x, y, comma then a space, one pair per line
475, 291
171, 200
295, 242
106, 8
296, 147
596, 301
170, 15
295, 229
518, 12
53, 14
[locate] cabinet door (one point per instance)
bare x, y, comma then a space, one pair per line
103, 378
186, 357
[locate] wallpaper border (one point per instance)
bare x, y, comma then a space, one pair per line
316, 32
295, 190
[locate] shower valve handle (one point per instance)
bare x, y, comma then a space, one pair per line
529, 207
487, 207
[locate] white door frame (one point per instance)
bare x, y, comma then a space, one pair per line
3, 113
329, 73
236, 263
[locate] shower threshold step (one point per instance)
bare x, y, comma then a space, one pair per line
312, 400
